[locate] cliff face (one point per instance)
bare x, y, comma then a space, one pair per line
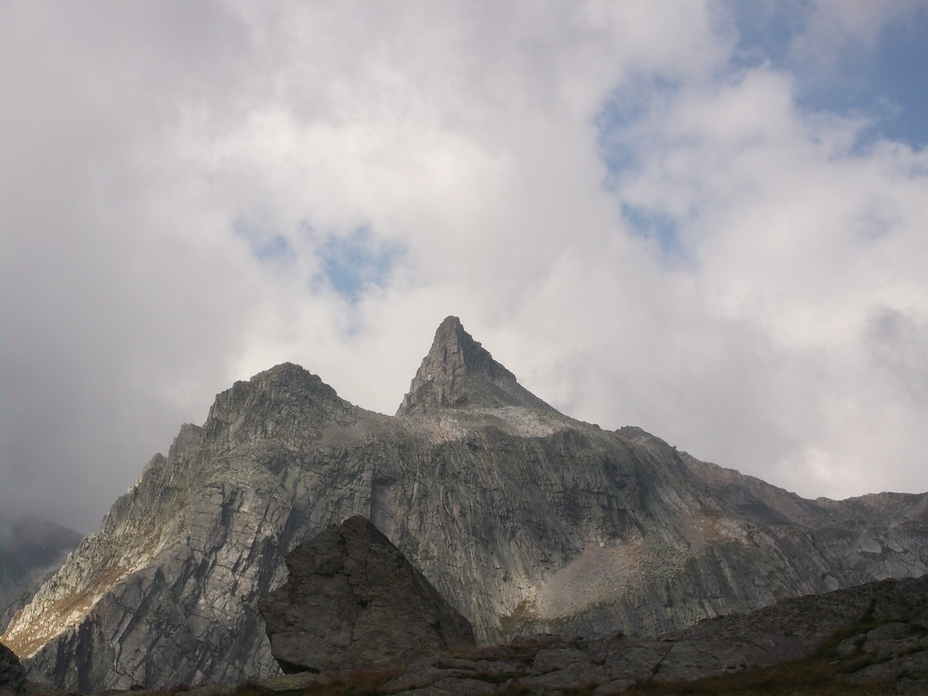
523, 518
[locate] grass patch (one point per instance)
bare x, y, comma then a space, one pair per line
520, 618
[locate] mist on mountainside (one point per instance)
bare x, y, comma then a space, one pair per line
30, 548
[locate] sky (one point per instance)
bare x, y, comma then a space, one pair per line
707, 218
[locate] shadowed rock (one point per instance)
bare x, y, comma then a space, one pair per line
877, 631
12, 674
352, 600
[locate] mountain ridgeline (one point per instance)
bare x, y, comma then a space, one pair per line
524, 519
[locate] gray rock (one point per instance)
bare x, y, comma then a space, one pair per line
525, 520
459, 373
550, 659
636, 659
578, 675
912, 666
421, 676
797, 628
877, 614
12, 674
353, 601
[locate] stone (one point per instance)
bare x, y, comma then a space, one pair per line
353, 601
550, 659
421, 676
636, 659
579, 675
12, 674
799, 627
803, 628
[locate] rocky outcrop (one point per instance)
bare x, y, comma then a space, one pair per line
459, 373
525, 520
353, 601
878, 631
12, 674
874, 636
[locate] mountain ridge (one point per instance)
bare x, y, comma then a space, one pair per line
523, 518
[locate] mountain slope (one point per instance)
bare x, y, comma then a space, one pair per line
523, 518
30, 548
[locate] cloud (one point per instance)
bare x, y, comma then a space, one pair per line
632, 205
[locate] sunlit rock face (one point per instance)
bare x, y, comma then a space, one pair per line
524, 519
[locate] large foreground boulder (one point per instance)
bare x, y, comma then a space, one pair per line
352, 600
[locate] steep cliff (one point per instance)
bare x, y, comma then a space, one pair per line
523, 518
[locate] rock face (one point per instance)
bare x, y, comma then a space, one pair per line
877, 631
12, 674
352, 600
524, 519
459, 373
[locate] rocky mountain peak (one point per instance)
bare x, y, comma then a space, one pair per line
458, 372
282, 398
527, 521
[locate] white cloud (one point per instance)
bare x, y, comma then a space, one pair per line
176, 173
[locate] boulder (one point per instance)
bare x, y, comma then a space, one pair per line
353, 601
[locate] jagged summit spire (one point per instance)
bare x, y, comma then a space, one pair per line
458, 372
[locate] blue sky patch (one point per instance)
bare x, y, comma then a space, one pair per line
889, 83
352, 263
766, 31
655, 226
266, 246
886, 83
628, 104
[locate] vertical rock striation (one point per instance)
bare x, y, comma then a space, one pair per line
524, 519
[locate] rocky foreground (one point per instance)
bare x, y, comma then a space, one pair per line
871, 639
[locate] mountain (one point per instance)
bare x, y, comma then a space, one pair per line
30, 548
523, 518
